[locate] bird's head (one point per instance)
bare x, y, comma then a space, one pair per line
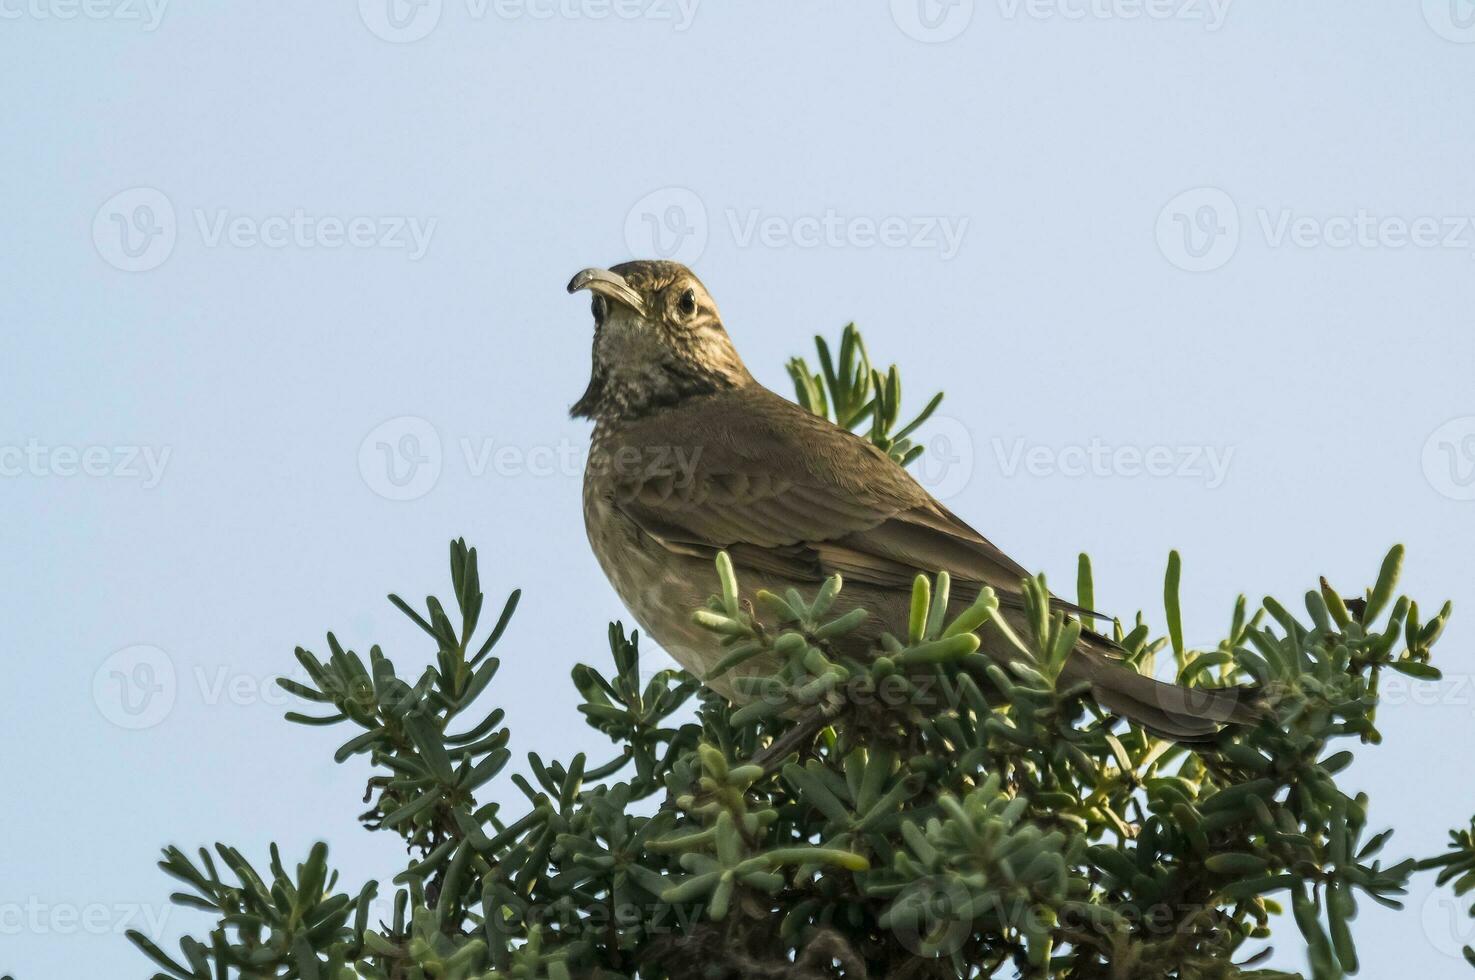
658, 339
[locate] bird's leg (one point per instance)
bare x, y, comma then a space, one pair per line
810, 724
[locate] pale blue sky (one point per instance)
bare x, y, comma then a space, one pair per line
1193, 275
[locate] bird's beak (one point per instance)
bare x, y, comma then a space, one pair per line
611, 285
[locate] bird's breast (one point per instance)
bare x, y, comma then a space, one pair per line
660, 589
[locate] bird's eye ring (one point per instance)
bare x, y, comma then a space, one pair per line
688, 302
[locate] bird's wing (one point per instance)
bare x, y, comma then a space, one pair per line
785, 491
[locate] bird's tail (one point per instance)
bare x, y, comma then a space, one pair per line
1183, 714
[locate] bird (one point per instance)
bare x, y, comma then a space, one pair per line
691, 456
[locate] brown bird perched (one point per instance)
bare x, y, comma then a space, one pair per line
692, 456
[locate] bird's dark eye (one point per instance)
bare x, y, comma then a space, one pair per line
688, 302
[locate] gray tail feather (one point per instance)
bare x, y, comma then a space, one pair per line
1183, 714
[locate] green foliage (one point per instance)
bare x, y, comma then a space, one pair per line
296, 924
1457, 865
854, 395
927, 813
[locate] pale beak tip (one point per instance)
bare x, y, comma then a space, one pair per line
585, 278
611, 285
